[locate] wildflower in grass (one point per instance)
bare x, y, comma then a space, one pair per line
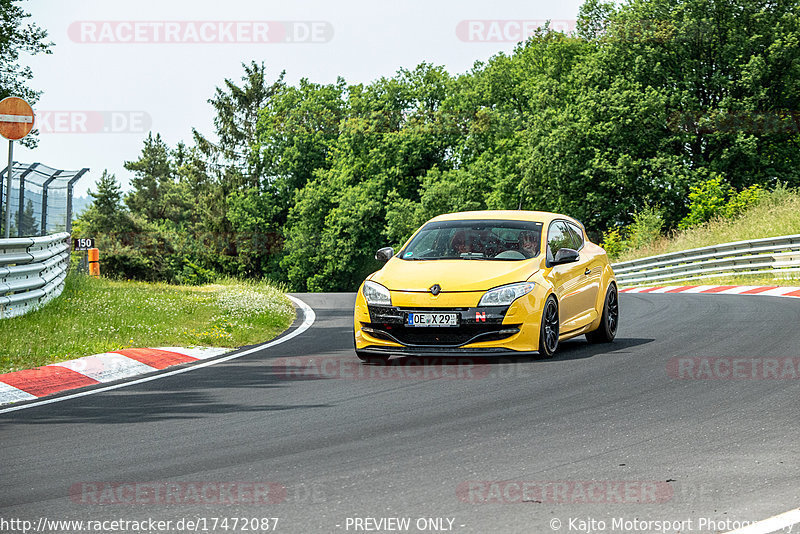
246, 301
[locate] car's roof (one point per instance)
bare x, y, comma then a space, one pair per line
512, 215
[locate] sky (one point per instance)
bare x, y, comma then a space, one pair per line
120, 69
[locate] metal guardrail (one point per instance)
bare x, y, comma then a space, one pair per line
32, 272
776, 256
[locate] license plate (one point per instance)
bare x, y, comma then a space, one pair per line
432, 319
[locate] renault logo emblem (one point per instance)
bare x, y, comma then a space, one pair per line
436, 289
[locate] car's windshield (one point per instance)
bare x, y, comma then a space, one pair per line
475, 240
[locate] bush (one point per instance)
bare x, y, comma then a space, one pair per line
645, 228
742, 200
613, 243
194, 275
642, 232
715, 198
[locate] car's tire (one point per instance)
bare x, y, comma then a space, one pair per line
375, 359
609, 322
549, 328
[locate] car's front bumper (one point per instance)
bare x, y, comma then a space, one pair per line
510, 329
390, 323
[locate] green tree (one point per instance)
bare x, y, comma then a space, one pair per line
106, 213
228, 179
669, 93
157, 193
388, 142
297, 131
737, 59
236, 154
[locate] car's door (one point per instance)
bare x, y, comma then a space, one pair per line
592, 269
572, 284
565, 277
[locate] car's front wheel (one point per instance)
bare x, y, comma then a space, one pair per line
609, 322
549, 328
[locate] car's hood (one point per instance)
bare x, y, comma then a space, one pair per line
453, 275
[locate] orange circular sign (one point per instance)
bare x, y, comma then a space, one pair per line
16, 118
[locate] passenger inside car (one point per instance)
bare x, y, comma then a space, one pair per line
528, 244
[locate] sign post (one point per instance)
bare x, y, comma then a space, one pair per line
85, 245
9, 173
16, 121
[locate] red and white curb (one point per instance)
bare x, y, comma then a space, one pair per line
32, 384
767, 291
151, 359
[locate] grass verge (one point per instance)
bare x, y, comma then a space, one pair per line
93, 316
777, 214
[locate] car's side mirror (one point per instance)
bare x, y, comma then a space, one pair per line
384, 254
566, 255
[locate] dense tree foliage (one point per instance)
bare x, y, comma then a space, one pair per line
631, 120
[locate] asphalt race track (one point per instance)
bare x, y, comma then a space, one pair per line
599, 433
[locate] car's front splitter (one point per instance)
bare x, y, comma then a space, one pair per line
449, 351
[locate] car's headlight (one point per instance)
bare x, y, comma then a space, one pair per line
505, 295
376, 294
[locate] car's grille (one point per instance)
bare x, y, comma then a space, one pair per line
449, 337
389, 323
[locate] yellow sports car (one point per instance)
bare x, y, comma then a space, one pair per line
487, 282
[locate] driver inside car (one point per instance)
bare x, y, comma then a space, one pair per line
459, 243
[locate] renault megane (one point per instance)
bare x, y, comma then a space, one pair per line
487, 282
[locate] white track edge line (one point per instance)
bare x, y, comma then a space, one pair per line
308, 319
771, 524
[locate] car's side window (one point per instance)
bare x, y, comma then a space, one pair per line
558, 237
577, 235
